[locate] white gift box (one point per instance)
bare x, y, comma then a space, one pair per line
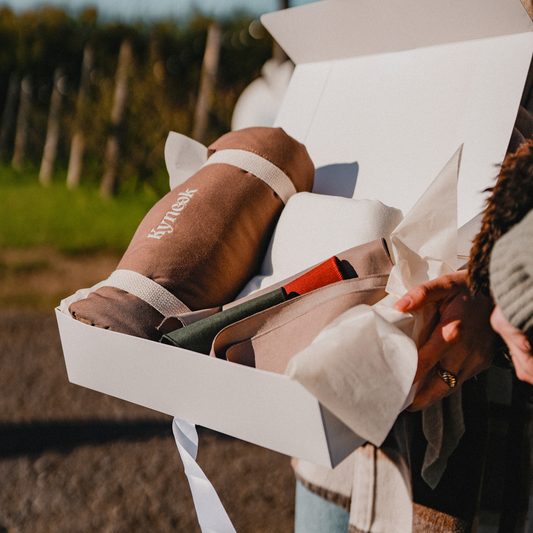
383, 94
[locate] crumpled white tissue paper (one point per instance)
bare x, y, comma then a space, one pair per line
362, 366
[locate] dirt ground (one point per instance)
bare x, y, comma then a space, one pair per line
73, 460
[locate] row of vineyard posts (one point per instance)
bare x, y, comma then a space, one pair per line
98, 100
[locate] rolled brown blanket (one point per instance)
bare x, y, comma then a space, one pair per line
200, 244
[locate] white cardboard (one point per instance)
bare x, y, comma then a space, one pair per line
386, 91
396, 86
337, 29
257, 406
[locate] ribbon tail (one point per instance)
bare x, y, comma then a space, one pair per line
211, 514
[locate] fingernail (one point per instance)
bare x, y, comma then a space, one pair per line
403, 303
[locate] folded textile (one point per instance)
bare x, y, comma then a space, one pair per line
269, 339
200, 244
328, 272
199, 336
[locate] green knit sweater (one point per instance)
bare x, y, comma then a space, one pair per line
511, 274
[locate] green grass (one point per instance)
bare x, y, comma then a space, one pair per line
69, 221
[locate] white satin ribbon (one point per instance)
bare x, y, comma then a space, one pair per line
211, 514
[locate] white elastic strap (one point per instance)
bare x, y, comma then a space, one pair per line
260, 167
147, 290
211, 514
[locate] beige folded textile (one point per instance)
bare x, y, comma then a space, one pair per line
269, 339
205, 239
281, 332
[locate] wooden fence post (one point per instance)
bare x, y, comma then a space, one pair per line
207, 82
77, 147
52, 132
23, 116
112, 155
9, 116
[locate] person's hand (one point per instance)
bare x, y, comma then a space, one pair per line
462, 341
518, 344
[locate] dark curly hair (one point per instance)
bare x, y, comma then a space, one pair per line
510, 201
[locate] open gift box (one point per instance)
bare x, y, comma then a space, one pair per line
383, 94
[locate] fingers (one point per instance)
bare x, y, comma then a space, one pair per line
438, 352
441, 341
511, 335
412, 300
449, 349
436, 291
518, 344
462, 340
461, 364
498, 321
523, 367
434, 390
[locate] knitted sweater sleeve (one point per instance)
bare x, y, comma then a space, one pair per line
511, 274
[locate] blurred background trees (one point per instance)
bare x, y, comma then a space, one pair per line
95, 99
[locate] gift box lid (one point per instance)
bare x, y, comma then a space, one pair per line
367, 27
385, 92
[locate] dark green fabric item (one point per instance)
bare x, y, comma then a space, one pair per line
199, 336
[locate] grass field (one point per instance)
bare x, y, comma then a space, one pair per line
81, 221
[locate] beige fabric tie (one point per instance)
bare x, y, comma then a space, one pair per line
260, 167
147, 290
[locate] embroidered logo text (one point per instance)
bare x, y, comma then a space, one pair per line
171, 216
